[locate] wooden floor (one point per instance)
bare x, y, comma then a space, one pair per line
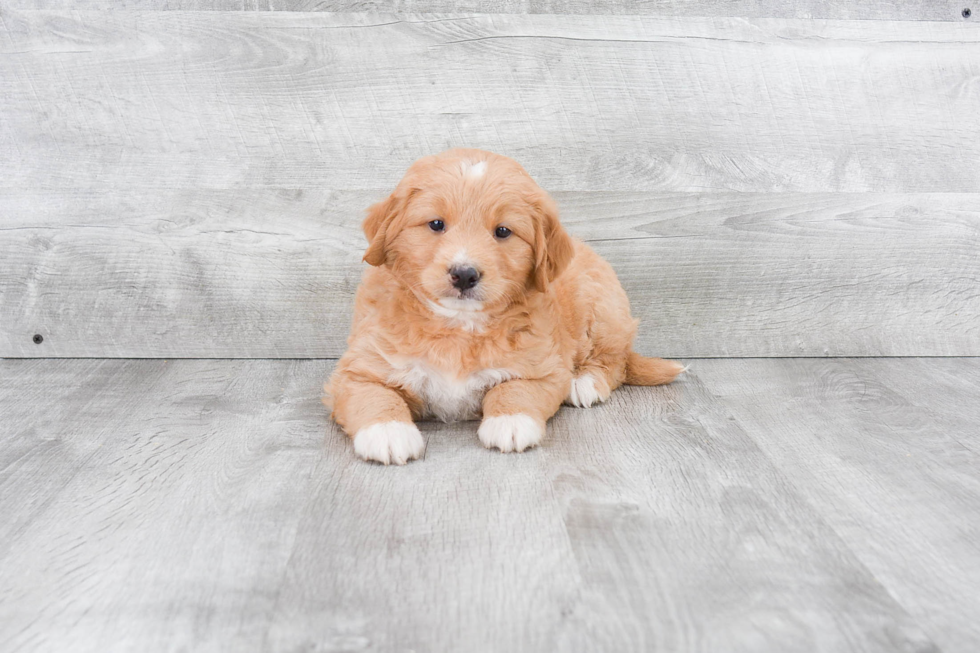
756, 505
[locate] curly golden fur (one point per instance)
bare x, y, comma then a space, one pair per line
545, 320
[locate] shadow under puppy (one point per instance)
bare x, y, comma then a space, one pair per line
478, 304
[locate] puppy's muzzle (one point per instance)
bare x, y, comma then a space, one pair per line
464, 278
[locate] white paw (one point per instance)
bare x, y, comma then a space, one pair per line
510, 432
583, 393
389, 442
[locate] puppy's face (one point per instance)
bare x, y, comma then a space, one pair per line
468, 230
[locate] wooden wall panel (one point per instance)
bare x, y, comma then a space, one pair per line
271, 273
186, 183
948, 10
122, 100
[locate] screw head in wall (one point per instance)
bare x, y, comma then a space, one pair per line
38, 338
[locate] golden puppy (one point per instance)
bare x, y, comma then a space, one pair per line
478, 303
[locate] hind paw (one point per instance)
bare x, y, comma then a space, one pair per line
584, 392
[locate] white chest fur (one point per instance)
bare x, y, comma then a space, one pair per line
445, 397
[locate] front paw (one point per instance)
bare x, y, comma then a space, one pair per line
510, 432
389, 442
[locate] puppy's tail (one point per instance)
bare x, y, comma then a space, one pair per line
641, 370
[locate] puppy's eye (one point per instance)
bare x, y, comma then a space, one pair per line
501, 232
437, 225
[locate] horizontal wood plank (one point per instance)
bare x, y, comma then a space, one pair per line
264, 273
120, 100
949, 10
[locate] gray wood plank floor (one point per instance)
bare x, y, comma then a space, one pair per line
756, 505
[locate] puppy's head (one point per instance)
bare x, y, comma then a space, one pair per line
468, 229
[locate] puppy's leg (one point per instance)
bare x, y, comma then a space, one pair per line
596, 378
378, 419
515, 412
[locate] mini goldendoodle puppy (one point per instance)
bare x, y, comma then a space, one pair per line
478, 304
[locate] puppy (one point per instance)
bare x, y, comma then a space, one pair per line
478, 304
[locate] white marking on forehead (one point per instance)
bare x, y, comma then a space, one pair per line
460, 258
474, 170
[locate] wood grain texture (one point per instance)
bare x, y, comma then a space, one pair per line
211, 513
121, 100
949, 10
41, 454
165, 499
181, 273
265, 273
670, 507
895, 473
948, 397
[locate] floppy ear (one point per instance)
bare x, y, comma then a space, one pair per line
553, 249
375, 226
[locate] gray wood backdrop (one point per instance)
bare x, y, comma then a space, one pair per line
190, 183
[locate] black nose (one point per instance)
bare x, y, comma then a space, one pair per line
464, 278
